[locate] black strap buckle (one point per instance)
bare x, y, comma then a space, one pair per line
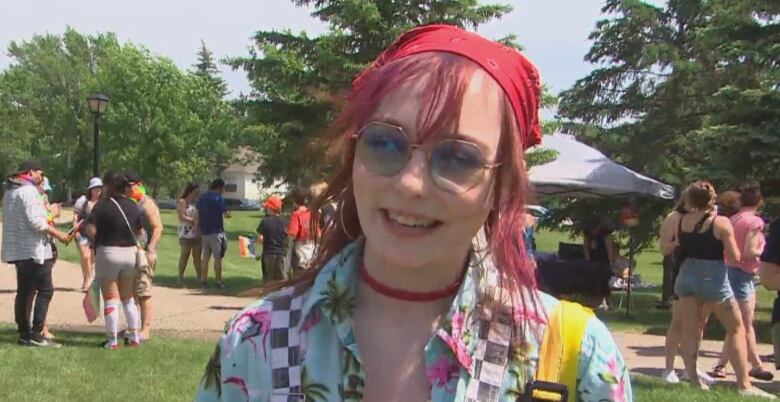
543, 391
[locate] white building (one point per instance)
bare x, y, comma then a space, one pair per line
241, 181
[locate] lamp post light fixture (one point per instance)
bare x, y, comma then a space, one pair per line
98, 103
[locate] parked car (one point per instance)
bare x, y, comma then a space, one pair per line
537, 211
166, 203
242, 204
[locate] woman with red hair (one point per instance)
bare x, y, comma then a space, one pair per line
420, 289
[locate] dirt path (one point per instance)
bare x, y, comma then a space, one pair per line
186, 311
645, 355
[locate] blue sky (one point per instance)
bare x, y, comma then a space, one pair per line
554, 32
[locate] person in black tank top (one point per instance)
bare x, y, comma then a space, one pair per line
667, 237
702, 245
770, 278
703, 237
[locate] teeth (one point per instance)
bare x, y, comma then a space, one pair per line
409, 221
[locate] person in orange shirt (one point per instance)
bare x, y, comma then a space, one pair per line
299, 230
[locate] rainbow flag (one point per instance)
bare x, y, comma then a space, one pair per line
91, 302
246, 246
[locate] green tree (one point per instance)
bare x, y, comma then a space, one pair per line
691, 80
167, 124
743, 113
207, 68
645, 96
297, 79
682, 91
44, 94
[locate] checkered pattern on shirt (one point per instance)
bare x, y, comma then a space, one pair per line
286, 349
490, 359
24, 225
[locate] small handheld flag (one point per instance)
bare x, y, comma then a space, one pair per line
246, 247
91, 302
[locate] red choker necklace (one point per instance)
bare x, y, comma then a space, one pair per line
408, 295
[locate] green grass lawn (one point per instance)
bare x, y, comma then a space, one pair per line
644, 316
238, 273
654, 390
163, 369
169, 369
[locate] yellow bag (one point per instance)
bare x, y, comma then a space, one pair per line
559, 354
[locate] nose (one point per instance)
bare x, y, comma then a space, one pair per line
413, 179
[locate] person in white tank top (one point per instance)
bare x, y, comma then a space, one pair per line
189, 238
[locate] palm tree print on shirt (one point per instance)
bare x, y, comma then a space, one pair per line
337, 302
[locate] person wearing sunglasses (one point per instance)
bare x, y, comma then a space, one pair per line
421, 289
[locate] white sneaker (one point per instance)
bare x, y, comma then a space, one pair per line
703, 377
756, 392
670, 377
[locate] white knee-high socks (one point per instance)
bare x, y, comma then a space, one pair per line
132, 315
111, 314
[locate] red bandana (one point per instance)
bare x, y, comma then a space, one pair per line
514, 73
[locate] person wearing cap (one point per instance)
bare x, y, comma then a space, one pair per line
114, 226
151, 222
82, 208
420, 292
27, 245
54, 212
272, 233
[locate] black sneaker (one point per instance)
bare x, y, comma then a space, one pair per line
205, 285
23, 341
38, 340
220, 285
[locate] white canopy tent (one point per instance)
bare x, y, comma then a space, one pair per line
582, 171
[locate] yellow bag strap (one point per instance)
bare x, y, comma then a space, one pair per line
559, 354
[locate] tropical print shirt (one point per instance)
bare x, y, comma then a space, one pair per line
300, 343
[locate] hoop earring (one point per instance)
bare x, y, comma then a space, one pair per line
343, 226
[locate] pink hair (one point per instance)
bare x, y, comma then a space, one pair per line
447, 78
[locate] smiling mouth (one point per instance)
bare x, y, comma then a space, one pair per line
409, 221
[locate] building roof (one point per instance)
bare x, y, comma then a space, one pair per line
246, 161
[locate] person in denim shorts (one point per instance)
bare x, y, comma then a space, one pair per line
703, 238
749, 235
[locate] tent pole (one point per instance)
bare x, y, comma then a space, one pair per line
630, 271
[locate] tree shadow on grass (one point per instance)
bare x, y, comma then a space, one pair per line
653, 321
69, 338
235, 285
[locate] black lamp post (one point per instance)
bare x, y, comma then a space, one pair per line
97, 105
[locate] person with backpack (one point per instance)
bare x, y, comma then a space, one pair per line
420, 292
